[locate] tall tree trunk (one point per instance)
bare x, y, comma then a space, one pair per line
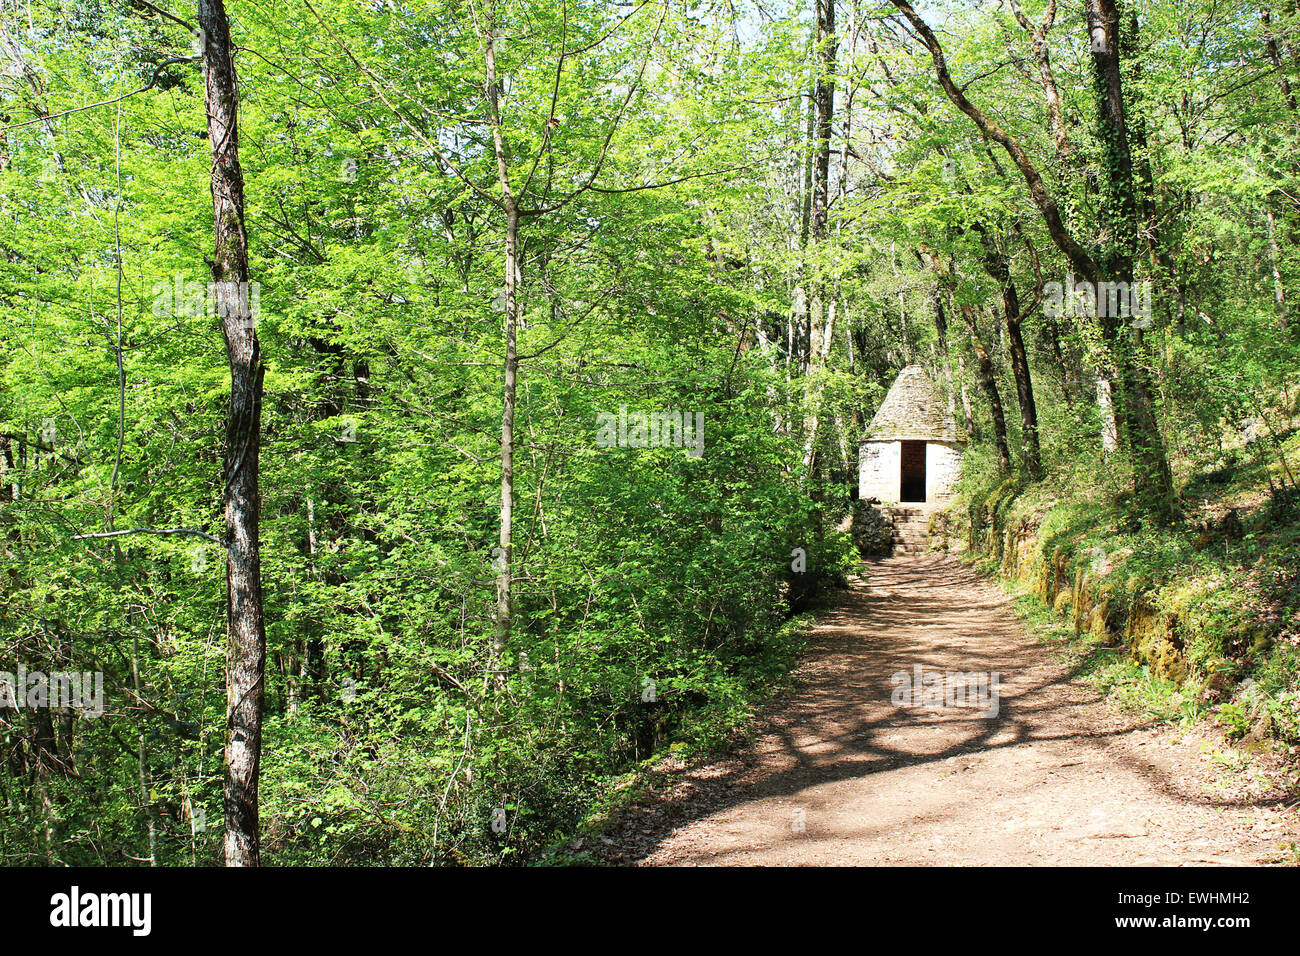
1024, 390
1275, 57
1288, 94
1275, 258
799, 338
245, 627
142, 790
1052, 334
968, 414
946, 285
45, 764
941, 333
810, 161
1154, 486
821, 316
504, 558
989, 382
997, 266
1106, 405
824, 93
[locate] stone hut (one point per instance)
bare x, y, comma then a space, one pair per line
912, 450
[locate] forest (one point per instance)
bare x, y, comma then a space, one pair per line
418, 417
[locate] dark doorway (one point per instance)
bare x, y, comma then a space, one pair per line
911, 481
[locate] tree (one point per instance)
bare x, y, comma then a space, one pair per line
995, 263
1153, 480
245, 625
821, 311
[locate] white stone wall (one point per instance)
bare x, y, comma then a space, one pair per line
942, 469
880, 463
878, 474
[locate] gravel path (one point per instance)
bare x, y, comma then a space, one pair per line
838, 774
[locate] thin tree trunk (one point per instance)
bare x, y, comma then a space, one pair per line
1275, 258
145, 803
968, 414
1270, 47
827, 45
1109, 422
1047, 77
821, 315
1024, 394
995, 263
989, 382
505, 544
44, 749
1053, 335
505, 557
941, 335
245, 626
941, 331
800, 336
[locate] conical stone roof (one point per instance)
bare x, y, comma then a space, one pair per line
914, 410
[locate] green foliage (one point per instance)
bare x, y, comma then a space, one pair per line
662, 157
654, 586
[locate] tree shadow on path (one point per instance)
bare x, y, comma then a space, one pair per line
838, 748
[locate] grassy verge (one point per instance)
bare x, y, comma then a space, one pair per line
1185, 619
1110, 669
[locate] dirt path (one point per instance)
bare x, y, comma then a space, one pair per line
840, 775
